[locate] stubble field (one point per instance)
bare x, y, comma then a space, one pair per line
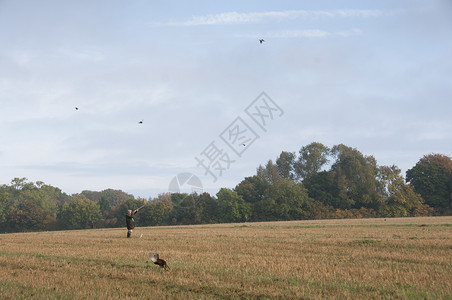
361, 259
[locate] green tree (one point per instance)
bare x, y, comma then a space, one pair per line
206, 209
269, 173
19, 184
252, 189
52, 198
285, 164
80, 212
311, 159
28, 216
322, 187
92, 195
116, 217
231, 206
351, 182
5, 203
285, 200
184, 211
22, 201
108, 199
158, 211
355, 178
131, 204
399, 199
432, 179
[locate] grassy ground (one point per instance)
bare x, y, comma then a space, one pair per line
367, 258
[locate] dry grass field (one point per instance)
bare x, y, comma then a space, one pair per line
361, 259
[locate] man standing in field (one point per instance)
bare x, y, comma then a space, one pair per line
130, 221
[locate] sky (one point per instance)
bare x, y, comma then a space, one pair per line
214, 102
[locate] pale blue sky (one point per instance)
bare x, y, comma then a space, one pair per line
374, 75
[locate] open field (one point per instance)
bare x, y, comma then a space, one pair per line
362, 258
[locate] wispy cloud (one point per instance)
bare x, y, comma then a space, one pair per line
275, 16
307, 33
303, 33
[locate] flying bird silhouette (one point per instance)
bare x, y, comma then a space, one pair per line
76, 108
140, 122
154, 257
261, 41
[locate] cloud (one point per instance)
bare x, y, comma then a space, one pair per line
303, 33
308, 33
89, 55
275, 16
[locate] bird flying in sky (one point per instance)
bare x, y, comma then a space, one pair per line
261, 41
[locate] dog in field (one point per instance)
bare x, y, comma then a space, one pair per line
154, 257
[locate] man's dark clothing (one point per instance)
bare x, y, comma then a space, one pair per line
130, 221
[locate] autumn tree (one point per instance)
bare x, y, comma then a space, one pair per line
398, 198
28, 206
157, 212
27, 216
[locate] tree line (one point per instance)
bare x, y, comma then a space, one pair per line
314, 183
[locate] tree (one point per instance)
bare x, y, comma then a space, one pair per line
350, 183
158, 211
432, 178
80, 213
285, 164
285, 200
51, 198
206, 209
5, 199
355, 178
29, 206
28, 216
269, 173
19, 184
399, 199
322, 187
311, 159
116, 217
252, 189
184, 211
231, 206
107, 199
